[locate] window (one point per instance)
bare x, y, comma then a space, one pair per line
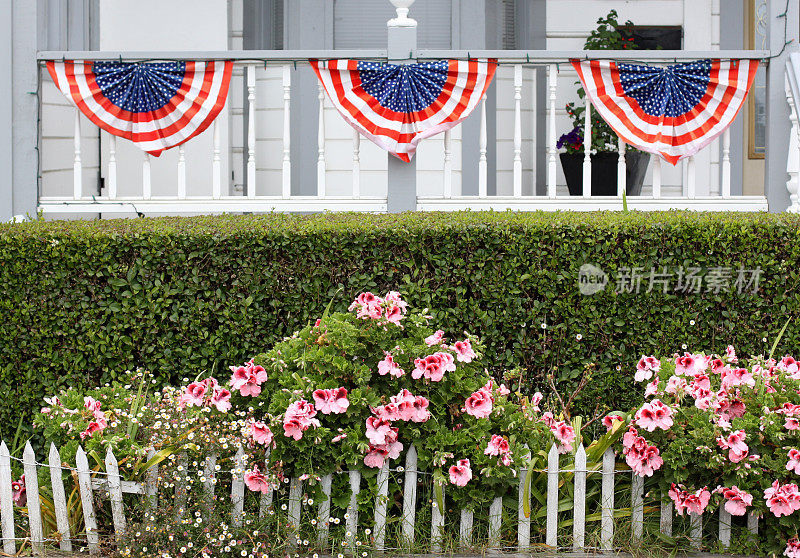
756, 38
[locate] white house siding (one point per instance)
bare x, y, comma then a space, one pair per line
569, 23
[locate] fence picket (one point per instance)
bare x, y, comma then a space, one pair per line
523, 522
637, 506
381, 502
151, 484
724, 527
115, 494
265, 502
352, 508
579, 500
6, 501
752, 523
237, 487
324, 517
607, 502
696, 530
410, 496
551, 538
87, 501
465, 529
210, 482
666, 518
437, 523
59, 499
34, 504
495, 519
293, 515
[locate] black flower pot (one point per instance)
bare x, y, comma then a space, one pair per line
604, 172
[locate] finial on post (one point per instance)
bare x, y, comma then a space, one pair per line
402, 19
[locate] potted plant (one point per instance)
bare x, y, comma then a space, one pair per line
609, 35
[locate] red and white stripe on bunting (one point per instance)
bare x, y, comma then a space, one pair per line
673, 110
155, 105
398, 106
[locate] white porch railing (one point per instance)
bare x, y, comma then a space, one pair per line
108, 483
244, 162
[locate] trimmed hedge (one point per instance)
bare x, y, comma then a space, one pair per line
82, 301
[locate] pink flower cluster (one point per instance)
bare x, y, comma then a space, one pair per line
98, 422
782, 499
460, 473
646, 367
691, 502
298, 418
794, 461
736, 500
260, 433
248, 378
498, 445
734, 443
562, 430
389, 366
654, 415
368, 306
640, 456
792, 414
206, 393
433, 367
18, 492
257, 481
404, 406
792, 548
328, 401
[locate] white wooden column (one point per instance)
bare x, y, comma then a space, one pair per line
356, 164
77, 165
482, 163
552, 75
182, 171
251, 131
286, 189
656, 176
112, 166
691, 178
551, 536
793, 155
447, 178
216, 165
622, 175
321, 191
147, 188
518, 131
725, 188
587, 149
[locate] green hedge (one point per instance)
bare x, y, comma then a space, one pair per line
81, 302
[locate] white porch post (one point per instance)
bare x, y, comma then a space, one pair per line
402, 179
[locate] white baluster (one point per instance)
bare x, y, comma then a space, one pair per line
587, 150
607, 502
59, 499
77, 166
691, 178
112, 167
251, 131
147, 189
447, 186
356, 164
518, 131
465, 528
665, 523
579, 501
6, 502
793, 156
34, 503
482, 163
696, 530
216, 165
409, 497
726, 163
622, 178
287, 144
637, 506
321, 144
724, 527
551, 537
182, 171
351, 524
551, 135
656, 176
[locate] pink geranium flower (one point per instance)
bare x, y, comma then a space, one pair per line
298, 418
654, 415
645, 368
194, 394
565, 434
535, 400
461, 473
691, 502
794, 461
782, 499
736, 500
91, 403
792, 548
19, 493
734, 443
329, 401
675, 386
94, 426
609, 420
248, 378
732, 377
790, 366
375, 457
389, 366
497, 446
260, 433
479, 404
730, 354
221, 399
377, 430
421, 412
435, 339
433, 367
792, 424
463, 349
256, 481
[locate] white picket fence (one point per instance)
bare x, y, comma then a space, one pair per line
110, 484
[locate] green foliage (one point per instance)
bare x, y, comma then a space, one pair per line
81, 302
609, 34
